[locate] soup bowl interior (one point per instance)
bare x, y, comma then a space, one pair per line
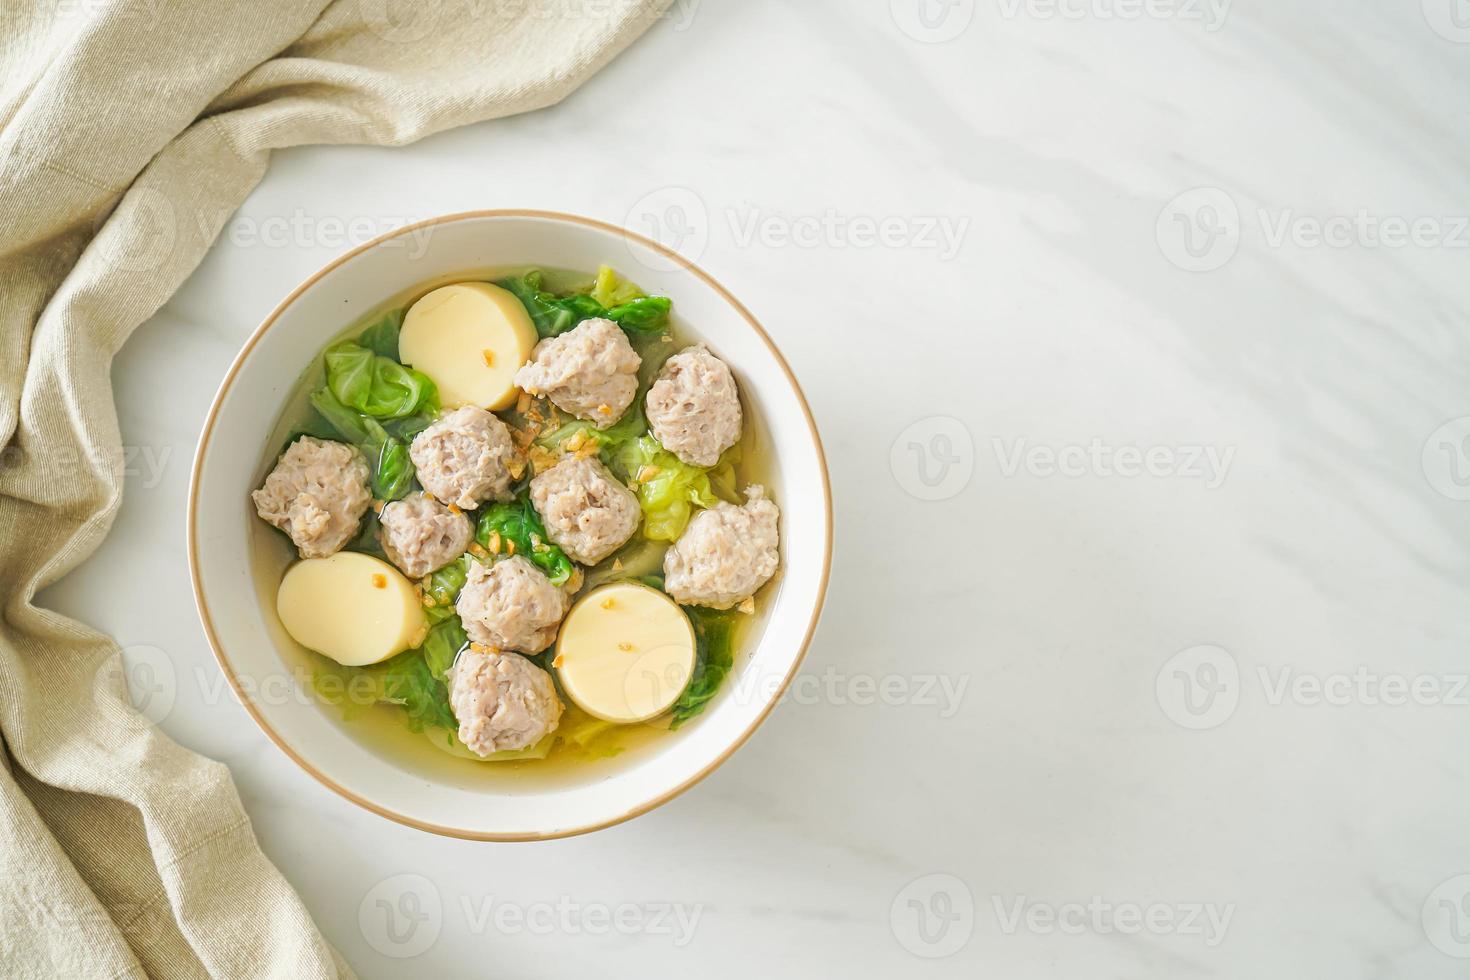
234, 584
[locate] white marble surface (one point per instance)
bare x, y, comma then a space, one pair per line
1130, 718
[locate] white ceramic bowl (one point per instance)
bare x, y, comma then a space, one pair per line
247, 637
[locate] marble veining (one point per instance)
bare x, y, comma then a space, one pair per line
1136, 331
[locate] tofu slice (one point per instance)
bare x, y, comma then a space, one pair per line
626, 652
470, 338
350, 607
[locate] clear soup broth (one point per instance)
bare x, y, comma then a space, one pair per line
583, 747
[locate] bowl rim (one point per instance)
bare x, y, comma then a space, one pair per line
191, 513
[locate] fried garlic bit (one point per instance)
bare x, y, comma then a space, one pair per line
542, 459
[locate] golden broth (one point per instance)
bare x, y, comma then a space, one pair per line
383, 728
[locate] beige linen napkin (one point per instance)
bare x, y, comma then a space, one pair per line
129, 131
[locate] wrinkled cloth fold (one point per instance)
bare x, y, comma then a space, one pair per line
130, 130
